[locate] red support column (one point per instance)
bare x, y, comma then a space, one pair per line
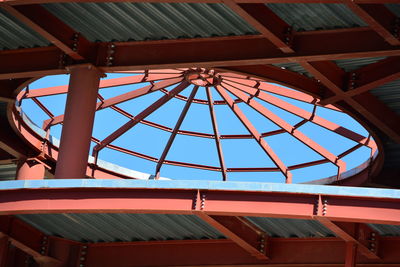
78, 122
30, 170
351, 253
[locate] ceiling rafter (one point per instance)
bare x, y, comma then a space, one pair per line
53, 30
368, 77
366, 104
380, 19
356, 233
264, 20
241, 231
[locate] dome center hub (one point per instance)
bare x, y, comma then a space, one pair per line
203, 77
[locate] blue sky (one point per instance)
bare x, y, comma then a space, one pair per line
237, 152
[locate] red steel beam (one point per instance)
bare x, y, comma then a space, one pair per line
175, 131
141, 116
31, 62
53, 29
369, 77
216, 133
264, 20
288, 128
232, 51
26, 238
351, 253
380, 19
256, 92
233, 203
353, 237
226, 51
239, 232
105, 83
365, 104
120, 99
256, 135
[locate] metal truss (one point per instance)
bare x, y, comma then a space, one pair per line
247, 91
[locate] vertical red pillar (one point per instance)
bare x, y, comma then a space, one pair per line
351, 253
30, 170
78, 122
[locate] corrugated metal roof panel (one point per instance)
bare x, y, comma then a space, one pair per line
309, 17
7, 171
278, 227
293, 67
395, 8
387, 230
14, 34
392, 155
150, 21
356, 63
112, 227
389, 93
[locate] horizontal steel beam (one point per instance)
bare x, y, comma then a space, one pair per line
226, 51
232, 203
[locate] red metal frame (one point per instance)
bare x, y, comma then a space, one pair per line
278, 43
245, 88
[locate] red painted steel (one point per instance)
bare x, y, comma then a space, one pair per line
256, 135
175, 131
332, 77
286, 205
30, 170
288, 128
270, 25
308, 251
379, 18
256, 87
227, 51
121, 98
349, 237
141, 116
216, 133
254, 91
53, 29
351, 252
78, 124
240, 233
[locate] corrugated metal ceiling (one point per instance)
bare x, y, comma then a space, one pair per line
150, 21
309, 17
14, 34
356, 63
395, 8
389, 94
279, 227
295, 67
122, 227
387, 230
7, 171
